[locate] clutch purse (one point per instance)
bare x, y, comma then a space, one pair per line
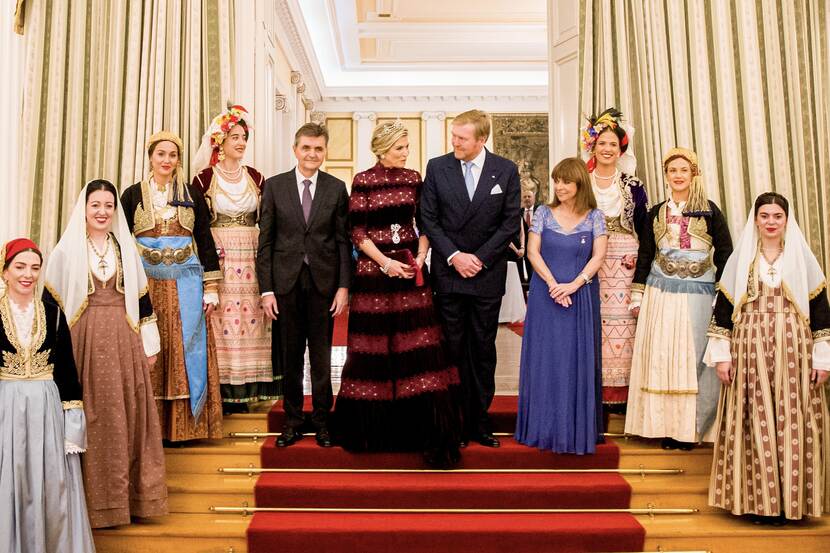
405, 256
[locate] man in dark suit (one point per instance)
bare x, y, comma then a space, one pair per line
470, 212
528, 209
304, 268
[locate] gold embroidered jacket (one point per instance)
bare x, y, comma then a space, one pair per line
48, 357
195, 217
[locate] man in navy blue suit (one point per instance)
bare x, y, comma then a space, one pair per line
470, 212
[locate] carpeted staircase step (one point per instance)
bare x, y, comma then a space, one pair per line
511, 455
502, 414
442, 490
431, 533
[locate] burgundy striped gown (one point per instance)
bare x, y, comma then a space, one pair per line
398, 388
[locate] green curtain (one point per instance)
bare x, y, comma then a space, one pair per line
101, 77
745, 83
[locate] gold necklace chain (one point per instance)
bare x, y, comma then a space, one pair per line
102, 263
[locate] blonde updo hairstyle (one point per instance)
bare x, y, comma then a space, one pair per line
385, 135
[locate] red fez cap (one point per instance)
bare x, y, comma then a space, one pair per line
14, 247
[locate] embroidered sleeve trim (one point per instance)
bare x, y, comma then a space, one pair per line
74, 404
821, 335
147, 320
212, 275
718, 331
725, 292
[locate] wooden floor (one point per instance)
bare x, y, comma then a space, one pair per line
195, 485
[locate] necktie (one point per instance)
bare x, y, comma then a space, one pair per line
527, 216
306, 199
469, 180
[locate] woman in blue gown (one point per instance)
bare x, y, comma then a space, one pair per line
560, 407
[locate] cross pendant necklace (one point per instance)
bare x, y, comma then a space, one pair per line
102, 263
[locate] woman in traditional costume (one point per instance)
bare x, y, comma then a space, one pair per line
240, 328
42, 424
560, 405
95, 274
622, 198
683, 249
397, 386
770, 342
171, 223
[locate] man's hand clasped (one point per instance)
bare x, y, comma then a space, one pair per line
467, 264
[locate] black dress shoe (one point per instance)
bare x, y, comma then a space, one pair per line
288, 437
488, 440
668, 443
323, 438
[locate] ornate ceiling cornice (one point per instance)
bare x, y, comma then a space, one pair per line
444, 103
285, 18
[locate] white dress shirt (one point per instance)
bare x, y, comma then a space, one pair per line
301, 186
478, 165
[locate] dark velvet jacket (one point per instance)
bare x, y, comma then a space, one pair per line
56, 350
635, 204
197, 221
204, 179
716, 228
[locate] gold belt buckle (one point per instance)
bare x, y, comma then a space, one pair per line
683, 269
168, 256
153, 256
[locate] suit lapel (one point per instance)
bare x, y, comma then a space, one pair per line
456, 179
294, 199
486, 181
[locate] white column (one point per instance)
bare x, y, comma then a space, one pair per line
365, 123
434, 134
563, 85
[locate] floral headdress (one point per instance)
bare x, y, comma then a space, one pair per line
611, 118
210, 150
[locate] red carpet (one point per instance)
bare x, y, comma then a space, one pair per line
502, 414
518, 328
341, 329
443, 490
306, 454
440, 532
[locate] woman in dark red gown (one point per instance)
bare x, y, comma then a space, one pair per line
397, 390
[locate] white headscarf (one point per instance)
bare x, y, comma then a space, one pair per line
801, 275
67, 269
